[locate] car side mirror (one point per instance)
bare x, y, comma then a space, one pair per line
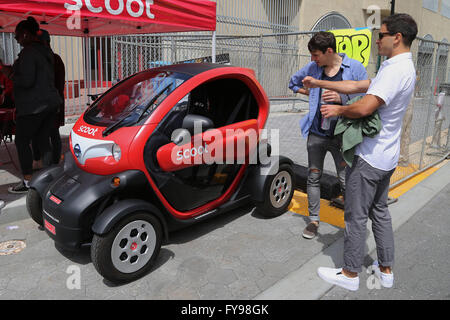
193, 121
181, 136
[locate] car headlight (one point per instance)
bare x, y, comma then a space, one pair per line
116, 152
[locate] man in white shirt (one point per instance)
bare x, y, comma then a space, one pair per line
375, 158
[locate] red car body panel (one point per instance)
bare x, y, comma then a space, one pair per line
132, 140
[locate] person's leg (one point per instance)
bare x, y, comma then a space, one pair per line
55, 140
35, 149
361, 187
43, 138
25, 130
37, 163
316, 155
339, 162
382, 224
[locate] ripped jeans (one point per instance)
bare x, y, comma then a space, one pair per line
317, 149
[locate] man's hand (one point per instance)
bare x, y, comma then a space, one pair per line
331, 96
309, 82
330, 110
304, 91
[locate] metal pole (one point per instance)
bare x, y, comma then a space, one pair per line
174, 50
81, 99
260, 58
447, 144
113, 59
72, 78
430, 103
213, 47
4, 49
446, 105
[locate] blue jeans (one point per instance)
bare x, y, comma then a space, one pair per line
317, 149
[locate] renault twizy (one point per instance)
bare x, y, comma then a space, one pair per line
160, 150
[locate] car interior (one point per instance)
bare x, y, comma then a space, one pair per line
224, 102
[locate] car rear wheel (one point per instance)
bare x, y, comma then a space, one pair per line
129, 250
278, 192
34, 206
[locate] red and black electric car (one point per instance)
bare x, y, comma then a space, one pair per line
155, 153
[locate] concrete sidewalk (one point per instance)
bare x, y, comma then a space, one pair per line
304, 283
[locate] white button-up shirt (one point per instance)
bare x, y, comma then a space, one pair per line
394, 84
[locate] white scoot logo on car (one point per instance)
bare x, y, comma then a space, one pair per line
88, 130
189, 153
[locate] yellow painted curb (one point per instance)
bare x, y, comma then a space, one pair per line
335, 216
408, 184
328, 214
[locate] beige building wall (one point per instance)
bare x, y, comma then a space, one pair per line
255, 17
312, 11
356, 12
70, 49
429, 22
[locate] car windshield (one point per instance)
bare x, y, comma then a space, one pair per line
133, 99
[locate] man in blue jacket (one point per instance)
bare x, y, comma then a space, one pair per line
329, 65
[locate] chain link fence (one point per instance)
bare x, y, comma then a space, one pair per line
425, 136
275, 58
93, 65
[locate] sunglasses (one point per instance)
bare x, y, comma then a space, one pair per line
381, 35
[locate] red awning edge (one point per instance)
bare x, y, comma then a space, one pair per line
111, 17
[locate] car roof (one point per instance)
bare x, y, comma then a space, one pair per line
192, 68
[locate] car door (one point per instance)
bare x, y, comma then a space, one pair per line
201, 168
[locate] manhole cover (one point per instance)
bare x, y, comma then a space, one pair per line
11, 247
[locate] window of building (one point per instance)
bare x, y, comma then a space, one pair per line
445, 8
331, 21
432, 5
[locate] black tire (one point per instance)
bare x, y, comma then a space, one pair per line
278, 192
34, 206
121, 268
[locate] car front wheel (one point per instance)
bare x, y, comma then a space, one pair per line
129, 250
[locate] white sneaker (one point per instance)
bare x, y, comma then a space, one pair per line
335, 276
386, 279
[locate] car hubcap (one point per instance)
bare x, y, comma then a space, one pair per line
133, 246
280, 189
